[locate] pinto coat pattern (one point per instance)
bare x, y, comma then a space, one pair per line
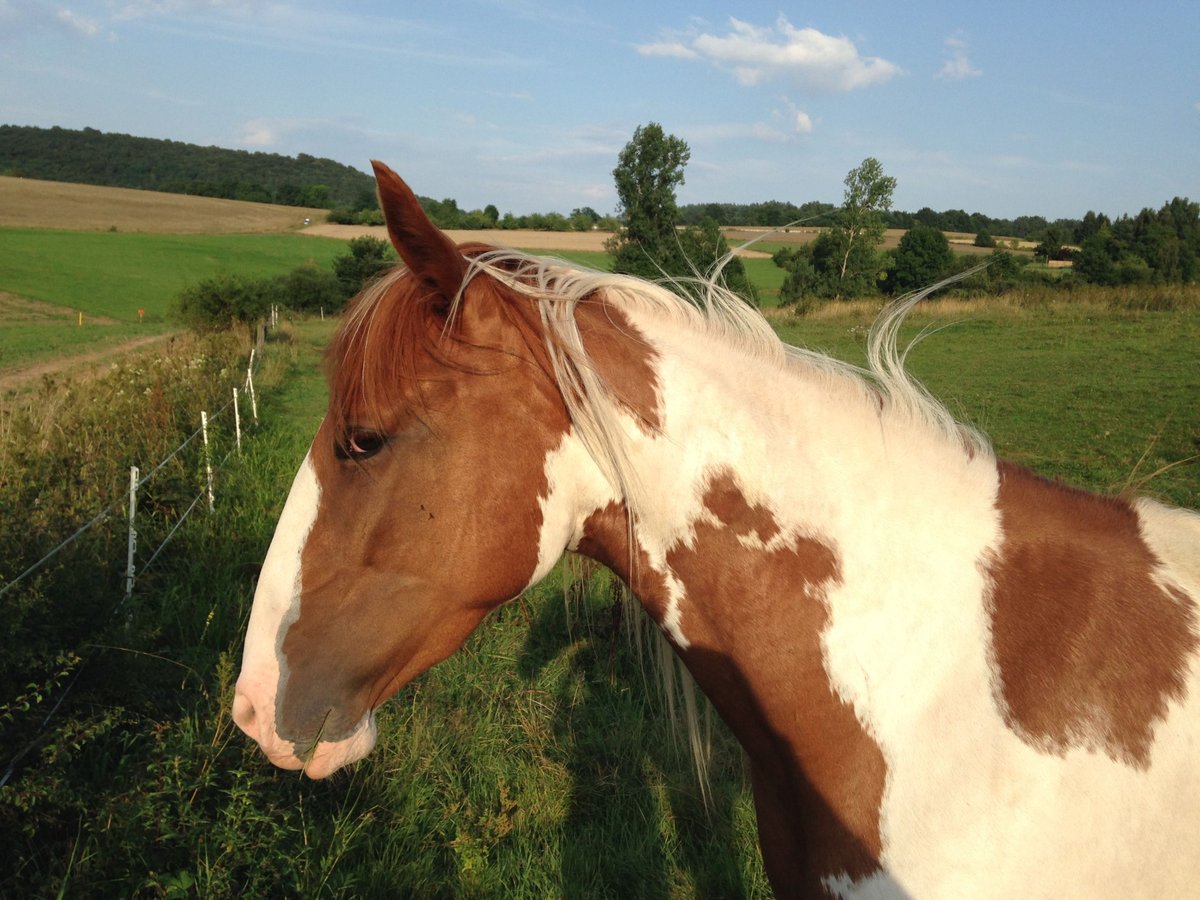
951, 678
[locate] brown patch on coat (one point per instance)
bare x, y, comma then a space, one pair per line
1088, 647
754, 616
623, 358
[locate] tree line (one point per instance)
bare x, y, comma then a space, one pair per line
88, 156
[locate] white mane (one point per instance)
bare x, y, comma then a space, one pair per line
703, 304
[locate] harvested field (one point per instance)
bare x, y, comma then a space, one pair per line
519, 238
28, 203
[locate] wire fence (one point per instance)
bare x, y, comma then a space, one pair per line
138, 486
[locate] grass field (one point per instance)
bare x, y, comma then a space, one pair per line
534, 763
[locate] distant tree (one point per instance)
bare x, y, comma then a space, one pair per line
860, 223
922, 258
584, 219
1097, 259
984, 239
1051, 244
703, 246
801, 285
317, 196
649, 168
368, 258
1089, 225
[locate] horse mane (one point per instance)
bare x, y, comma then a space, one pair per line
390, 326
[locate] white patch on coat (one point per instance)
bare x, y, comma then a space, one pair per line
264, 670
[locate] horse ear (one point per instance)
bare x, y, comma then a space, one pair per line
427, 252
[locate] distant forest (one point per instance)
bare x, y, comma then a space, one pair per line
776, 213
120, 160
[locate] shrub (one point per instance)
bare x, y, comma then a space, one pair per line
309, 289
368, 258
217, 303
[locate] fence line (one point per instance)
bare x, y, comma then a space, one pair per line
135, 484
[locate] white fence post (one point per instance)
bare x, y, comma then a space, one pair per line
207, 457
250, 386
129, 563
237, 421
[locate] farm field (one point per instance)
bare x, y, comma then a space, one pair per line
29, 203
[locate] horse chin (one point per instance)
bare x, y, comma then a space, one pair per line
327, 756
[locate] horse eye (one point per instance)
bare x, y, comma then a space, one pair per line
359, 445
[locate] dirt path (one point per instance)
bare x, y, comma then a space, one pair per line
75, 363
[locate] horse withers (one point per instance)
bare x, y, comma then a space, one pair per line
951, 677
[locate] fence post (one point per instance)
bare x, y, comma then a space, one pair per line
250, 386
129, 563
207, 457
253, 399
237, 421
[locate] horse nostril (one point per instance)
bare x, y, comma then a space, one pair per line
243, 713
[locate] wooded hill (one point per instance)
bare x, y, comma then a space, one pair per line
121, 160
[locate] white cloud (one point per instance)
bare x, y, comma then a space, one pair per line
801, 121
673, 49
78, 24
959, 65
19, 18
259, 133
812, 61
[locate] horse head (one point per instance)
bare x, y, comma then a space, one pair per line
419, 507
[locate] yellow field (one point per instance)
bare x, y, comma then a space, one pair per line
27, 203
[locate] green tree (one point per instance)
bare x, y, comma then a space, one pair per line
861, 223
1051, 245
922, 258
368, 258
648, 170
704, 245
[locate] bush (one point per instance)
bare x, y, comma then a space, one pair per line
217, 303
309, 289
368, 258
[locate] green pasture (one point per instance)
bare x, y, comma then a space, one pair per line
1099, 397
115, 274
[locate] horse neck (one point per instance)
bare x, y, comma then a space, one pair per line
774, 497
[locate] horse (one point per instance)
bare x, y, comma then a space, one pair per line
950, 676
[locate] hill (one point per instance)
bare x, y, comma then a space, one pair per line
89, 156
28, 203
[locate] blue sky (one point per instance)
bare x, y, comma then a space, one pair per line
1011, 108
